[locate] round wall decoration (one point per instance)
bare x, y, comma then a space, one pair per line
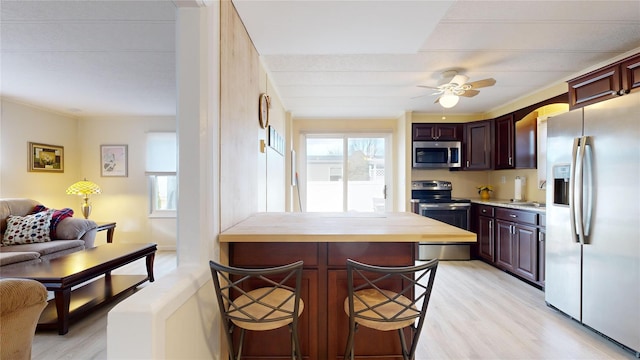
263, 110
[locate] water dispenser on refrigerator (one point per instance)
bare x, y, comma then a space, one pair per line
561, 178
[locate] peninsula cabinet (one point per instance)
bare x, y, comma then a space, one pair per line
478, 145
324, 288
439, 132
324, 242
606, 83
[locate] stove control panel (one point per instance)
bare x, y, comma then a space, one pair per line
431, 185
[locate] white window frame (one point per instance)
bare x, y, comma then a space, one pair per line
155, 169
154, 211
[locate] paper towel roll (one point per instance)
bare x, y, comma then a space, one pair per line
518, 189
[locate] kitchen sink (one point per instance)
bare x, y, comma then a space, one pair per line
532, 204
524, 203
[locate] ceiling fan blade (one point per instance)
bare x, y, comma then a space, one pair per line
437, 100
419, 96
470, 93
428, 87
482, 83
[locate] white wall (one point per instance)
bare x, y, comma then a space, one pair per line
125, 200
22, 124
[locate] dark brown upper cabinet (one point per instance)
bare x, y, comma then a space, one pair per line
526, 133
478, 152
614, 80
434, 131
505, 142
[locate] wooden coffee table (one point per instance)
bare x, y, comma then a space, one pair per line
61, 274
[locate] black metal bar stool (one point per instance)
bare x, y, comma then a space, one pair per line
372, 306
270, 306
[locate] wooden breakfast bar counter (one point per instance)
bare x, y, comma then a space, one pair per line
324, 241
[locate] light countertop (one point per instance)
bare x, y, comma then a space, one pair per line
522, 205
344, 227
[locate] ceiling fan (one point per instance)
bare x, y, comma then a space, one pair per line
451, 91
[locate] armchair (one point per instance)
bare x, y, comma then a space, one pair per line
21, 303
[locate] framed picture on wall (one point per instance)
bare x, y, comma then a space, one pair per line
113, 160
46, 158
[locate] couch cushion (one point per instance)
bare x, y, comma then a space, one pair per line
45, 248
56, 217
7, 258
28, 229
19, 207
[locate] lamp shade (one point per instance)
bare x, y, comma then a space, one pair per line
448, 100
84, 187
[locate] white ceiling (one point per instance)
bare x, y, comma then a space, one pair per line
325, 58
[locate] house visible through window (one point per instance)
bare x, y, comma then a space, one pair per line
161, 171
346, 172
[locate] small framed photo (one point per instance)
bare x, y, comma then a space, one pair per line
46, 158
113, 160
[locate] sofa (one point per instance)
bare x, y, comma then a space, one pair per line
22, 303
70, 234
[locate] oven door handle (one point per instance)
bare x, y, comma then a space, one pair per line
446, 206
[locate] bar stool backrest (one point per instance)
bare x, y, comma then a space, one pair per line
258, 299
388, 298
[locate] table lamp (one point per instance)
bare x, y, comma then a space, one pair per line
84, 188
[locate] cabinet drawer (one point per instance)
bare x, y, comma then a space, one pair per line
383, 254
486, 210
273, 254
519, 216
543, 220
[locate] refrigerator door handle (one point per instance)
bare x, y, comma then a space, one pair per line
587, 185
576, 189
572, 190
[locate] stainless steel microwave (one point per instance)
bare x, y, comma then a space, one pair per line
437, 154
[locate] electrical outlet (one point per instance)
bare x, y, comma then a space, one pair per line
503, 180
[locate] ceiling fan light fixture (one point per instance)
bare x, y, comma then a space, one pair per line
448, 101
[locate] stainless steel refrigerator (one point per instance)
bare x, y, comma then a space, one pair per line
593, 217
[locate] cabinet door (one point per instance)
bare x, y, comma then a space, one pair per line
268, 344
526, 133
526, 252
478, 145
369, 343
542, 237
504, 245
424, 131
441, 132
631, 74
594, 87
505, 138
485, 239
448, 132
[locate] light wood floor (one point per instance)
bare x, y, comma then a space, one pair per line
476, 312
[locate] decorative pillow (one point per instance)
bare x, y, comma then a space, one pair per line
28, 229
58, 215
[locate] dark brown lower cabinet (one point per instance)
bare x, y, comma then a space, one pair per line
323, 323
486, 238
512, 241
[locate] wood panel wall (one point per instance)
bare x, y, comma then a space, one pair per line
239, 145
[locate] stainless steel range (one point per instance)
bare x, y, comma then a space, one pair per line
432, 198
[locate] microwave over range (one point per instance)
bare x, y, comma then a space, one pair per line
437, 154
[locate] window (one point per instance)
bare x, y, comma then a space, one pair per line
346, 172
161, 170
